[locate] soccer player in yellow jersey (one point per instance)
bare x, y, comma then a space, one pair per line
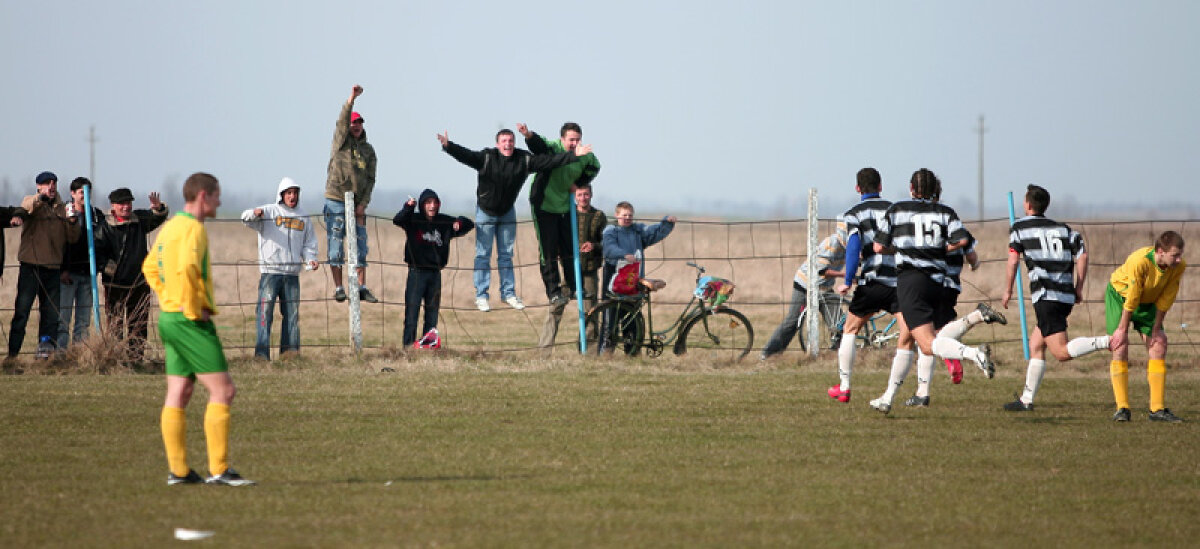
1139, 293
178, 269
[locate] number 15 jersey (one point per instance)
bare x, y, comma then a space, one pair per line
919, 230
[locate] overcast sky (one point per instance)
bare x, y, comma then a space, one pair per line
690, 105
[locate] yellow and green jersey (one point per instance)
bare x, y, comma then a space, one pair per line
1140, 281
178, 268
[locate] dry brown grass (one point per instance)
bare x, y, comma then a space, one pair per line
760, 257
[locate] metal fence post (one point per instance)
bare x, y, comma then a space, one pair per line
351, 272
814, 288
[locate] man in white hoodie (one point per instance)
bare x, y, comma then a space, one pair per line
286, 243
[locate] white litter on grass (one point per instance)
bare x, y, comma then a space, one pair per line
388, 483
192, 535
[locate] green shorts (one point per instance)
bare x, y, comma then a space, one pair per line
192, 347
1142, 318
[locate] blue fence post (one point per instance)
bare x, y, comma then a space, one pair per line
1012, 218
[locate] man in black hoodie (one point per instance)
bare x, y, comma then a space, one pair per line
426, 251
502, 173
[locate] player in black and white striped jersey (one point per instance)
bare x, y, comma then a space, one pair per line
1057, 261
876, 289
920, 233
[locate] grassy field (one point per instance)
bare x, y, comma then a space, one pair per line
453, 450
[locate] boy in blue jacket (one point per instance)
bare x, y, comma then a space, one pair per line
426, 252
627, 241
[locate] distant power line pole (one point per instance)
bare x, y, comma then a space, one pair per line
981, 129
92, 139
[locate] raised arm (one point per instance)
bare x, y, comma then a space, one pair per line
471, 158
658, 231
543, 162
342, 129
405, 214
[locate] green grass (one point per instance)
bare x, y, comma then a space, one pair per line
452, 451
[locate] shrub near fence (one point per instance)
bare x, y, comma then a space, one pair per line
759, 256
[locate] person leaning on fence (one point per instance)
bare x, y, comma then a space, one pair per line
1139, 294
1057, 261
625, 244
286, 243
352, 165
830, 259
48, 227
591, 224
120, 251
426, 251
502, 172
179, 270
75, 294
550, 200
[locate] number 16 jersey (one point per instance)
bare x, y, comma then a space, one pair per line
1050, 250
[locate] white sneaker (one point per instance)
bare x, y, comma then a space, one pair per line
881, 405
482, 304
514, 302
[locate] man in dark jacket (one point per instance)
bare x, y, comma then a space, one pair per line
426, 251
47, 230
121, 251
502, 173
591, 224
75, 294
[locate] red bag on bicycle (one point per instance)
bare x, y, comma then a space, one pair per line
625, 281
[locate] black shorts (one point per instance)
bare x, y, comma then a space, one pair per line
871, 298
1052, 316
923, 301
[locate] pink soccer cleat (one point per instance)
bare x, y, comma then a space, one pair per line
954, 366
838, 394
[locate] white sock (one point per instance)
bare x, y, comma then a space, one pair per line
900, 366
955, 329
973, 318
924, 373
1083, 345
846, 360
1033, 379
948, 348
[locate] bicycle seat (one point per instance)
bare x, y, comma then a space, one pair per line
652, 284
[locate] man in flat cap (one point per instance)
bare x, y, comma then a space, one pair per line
48, 229
120, 251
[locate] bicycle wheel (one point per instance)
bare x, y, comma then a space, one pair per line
824, 334
626, 330
723, 335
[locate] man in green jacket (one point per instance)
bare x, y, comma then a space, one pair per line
351, 169
550, 199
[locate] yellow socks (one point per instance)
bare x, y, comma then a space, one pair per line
1119, 370
1156, 374
174, 433
216, 433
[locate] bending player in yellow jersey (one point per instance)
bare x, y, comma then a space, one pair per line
178, 269
1140, 292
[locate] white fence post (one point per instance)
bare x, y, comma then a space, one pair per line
351, 272
814, 287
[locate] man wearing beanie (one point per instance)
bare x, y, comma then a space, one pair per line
47, 231
120, 251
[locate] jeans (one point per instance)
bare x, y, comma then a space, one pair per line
504, 229
424, 285
35, 281
74, 299
554, 243
335, 229
128, 308
787, 329
286, 289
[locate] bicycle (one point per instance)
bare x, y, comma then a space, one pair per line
870, 334
830, 314
706, 328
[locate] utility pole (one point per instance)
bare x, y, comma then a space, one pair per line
981, 129
92, 153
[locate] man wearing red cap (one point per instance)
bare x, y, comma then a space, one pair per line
351, 169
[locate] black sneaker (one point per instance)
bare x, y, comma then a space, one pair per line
559, 300
366, 295
1018, 406
190, 478
990, 315
1122, 415
1165, 415
917, 401
230, 478
339, 295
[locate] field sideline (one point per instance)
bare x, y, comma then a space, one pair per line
456, 451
